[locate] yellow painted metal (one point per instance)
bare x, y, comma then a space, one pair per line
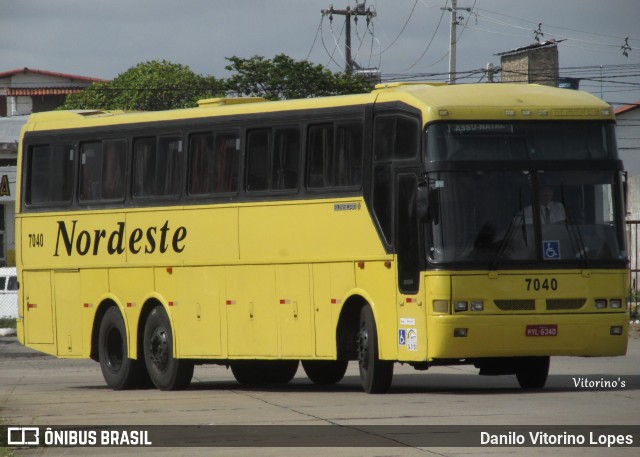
269, 280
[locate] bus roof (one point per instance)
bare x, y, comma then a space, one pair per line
437, 101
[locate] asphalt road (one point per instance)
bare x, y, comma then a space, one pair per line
36, 389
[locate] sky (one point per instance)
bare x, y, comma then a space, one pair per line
406, 40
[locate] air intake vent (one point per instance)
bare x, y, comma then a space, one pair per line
516, 305
565, 303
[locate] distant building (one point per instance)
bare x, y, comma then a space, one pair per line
26, 90
537, 63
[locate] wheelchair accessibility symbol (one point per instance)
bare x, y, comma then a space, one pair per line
402, 337
551, 250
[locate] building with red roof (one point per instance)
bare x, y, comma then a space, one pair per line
27, 90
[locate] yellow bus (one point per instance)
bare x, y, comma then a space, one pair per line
420, 223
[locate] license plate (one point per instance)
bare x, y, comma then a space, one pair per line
542, 330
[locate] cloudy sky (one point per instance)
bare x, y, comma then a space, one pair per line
406, 40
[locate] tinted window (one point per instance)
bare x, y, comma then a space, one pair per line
49, 174
213, 163
334, 157
102, 170
273, 157
258, 160
396, 137
156, 172
285, 159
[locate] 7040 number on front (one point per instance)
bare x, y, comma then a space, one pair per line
541, 284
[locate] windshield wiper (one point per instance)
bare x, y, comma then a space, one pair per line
511, 231
574, 233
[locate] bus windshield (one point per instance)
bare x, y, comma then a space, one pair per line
489, 217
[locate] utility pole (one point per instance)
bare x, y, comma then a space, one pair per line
360, 10
452, 38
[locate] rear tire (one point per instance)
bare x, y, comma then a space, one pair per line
532, 372
166, 372
119, 371
375, 374
325, 372
261, 372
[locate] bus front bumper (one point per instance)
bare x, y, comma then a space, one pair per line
589, 335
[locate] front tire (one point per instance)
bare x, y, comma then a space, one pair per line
119, 371
375, 374
532, 372
166, 372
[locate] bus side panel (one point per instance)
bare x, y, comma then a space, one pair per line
378, 279
293, 295
131, 286
305, 231
332, 282
94, 285
250, 302
38, 311
197, 311
68, 313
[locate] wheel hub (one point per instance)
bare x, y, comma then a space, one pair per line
159, 348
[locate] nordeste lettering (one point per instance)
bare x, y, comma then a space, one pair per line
71, 240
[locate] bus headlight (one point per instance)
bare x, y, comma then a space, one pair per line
615, 303
600, 303
441, 306
477, 305
460, 306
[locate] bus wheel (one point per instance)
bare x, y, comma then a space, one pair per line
119, 371
325, 371
258, 372
166, 372
375, 374
532, 372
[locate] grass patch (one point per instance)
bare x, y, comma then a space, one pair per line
7, 322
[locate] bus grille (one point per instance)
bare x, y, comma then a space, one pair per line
565, 303
515, 305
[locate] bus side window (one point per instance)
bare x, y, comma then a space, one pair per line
226, 162
347, 163
258, 160
90, 171
201, 163
285, 160
396, 137
168, 170
212, 169
144, 165
336, 164
113, 169
156, 174
49, 174
319, 154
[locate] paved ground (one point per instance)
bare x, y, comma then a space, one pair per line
42, 390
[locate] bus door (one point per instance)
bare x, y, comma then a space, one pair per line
412, 338
396, 168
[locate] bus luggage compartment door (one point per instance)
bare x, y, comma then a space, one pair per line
38, 312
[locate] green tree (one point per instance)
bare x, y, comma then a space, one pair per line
284, 78
148, 86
